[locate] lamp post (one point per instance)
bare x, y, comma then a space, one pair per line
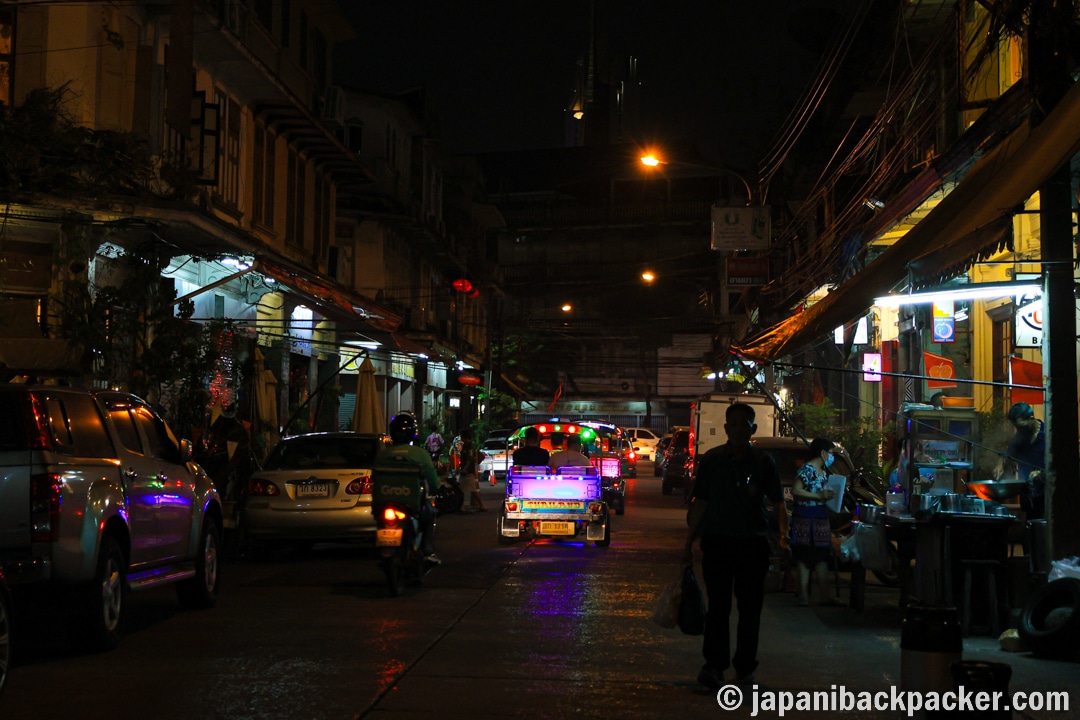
652, 161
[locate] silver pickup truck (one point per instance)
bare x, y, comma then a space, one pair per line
98, 497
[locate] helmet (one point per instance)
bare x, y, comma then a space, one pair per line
403, 429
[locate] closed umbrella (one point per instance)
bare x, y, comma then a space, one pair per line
265, 395
368, 417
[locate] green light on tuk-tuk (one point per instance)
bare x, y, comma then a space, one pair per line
587, 434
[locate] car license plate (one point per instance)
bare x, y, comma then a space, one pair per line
316, 490
551, 527
388, 537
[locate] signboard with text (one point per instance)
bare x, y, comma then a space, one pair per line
748, 271
741, 228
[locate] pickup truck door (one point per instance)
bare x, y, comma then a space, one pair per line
174, 503
140, 486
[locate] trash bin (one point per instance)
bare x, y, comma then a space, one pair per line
930, 642
981, 676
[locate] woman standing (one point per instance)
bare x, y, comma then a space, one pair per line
811, 534
467, 472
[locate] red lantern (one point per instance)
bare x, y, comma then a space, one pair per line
462, 285
469, 379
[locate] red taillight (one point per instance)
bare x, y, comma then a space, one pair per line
596, 507
511, 507
616, 484
46, 496
392, 515
632, 455
262, 488
359, 486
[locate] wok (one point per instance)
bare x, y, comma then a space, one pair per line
996, 490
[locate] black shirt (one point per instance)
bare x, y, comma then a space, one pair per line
737, 490
531, 455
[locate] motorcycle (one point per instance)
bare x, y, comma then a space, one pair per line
449, 497
399, 539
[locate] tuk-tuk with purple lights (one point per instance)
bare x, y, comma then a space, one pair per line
564, 503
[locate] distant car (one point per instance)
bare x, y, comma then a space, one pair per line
314, 487
658, 456
645, 442
678, 471
496, 457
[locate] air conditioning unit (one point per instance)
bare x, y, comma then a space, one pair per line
333, 111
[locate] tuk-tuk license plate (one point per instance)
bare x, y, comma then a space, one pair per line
388, 537
552, 527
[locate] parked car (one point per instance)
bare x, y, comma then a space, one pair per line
678, 470
314, 488
100, 498
658, 456
644, 441
496, 457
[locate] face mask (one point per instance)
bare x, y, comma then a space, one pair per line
829, 460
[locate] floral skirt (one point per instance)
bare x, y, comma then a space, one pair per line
811, 534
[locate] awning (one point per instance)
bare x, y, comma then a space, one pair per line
1003, 179
328, 294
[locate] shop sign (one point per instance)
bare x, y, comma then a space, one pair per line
1029, 320
402, 369
944, 322
748, 271
741, 228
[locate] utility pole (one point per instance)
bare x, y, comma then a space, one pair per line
1048, 72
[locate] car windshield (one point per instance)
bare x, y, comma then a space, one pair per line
331, 453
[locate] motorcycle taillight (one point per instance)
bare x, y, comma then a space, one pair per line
392, 516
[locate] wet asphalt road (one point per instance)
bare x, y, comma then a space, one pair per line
528, 630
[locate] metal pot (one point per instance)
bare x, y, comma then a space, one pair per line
926, 503
869, 514
952, 503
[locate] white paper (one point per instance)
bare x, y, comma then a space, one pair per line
836, 483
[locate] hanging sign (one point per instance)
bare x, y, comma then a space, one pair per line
741, 228
1029, 323
944, 322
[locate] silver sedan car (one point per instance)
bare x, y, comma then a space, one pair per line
496, 458
312, 488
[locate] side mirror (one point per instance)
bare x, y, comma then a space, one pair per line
185, 450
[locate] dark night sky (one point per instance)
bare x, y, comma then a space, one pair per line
723, 74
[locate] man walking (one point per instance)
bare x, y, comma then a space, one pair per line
730, 512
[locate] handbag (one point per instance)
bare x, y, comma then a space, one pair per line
666, 614
692, 608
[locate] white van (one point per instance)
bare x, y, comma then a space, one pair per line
644, 441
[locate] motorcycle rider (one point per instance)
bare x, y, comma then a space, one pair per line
403, 435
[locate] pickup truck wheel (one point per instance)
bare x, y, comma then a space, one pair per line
98, 627
201, 591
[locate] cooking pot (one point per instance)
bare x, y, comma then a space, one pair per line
952, 503
869, 514
926, 503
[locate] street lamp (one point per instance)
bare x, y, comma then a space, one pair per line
652, 161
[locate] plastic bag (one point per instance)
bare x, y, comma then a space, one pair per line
872, 546
666, 614
692, 604
849, 549
1067, 568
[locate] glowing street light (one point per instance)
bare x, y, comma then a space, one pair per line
567, 307
648, 276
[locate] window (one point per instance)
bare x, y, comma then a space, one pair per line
229, 150
1001, 351
262, 176
125, 428
7, 54
286, 22
296, 199
319, 58
354, 137
88, 433
302, 50
162, 445
264, 13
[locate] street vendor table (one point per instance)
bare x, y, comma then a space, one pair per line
951, 549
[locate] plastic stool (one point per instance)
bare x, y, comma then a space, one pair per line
989, 569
